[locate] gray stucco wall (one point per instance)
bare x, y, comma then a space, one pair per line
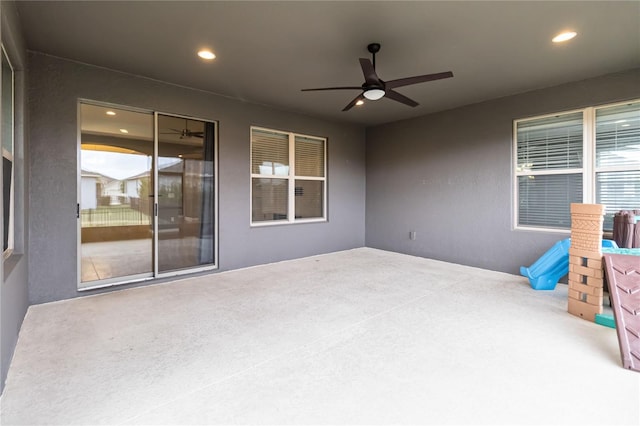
55, 87
447, 176
13, 271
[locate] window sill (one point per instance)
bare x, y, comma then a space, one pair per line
286, 222
10, 264
606, 235
546, 230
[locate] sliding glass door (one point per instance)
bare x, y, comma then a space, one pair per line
115, 209
185, 193
147, 195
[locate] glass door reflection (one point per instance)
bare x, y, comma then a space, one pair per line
115, 211
185, 193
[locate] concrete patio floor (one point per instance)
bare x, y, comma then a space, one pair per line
353, 337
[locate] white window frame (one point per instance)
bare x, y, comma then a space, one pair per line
11, 157
291, 179
588, 169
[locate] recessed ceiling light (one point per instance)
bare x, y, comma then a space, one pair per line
360, 102
111, 113
564, 36
124, 131
206, 54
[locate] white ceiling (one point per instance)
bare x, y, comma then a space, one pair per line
268, 51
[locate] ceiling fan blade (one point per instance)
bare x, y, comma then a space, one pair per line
370, 76
392, 94
353, 102
417, 79
172, 132
333, 88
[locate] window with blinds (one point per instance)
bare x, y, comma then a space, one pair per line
288, 177
549, 169
590, 156
617, 159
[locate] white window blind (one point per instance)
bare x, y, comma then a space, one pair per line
619, 190
618, 159
309, 156
269, 153
545, 199
618, 136
550, 143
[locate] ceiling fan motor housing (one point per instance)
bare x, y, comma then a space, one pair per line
373, 48
371, 86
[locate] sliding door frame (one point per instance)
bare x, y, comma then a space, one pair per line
154, 274
194, 269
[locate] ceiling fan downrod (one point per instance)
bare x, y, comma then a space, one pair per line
373, 48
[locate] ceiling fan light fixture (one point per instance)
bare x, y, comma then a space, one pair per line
373, 94
564, 36
206, 54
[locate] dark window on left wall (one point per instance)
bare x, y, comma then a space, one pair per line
8, 169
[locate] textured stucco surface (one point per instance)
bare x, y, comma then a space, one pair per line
447, 176
57, 84
14, 270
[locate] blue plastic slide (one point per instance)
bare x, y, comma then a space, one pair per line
545, 273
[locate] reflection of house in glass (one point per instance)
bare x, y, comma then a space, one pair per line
110, 202
92, 184
137, 192
182, 189
113, 202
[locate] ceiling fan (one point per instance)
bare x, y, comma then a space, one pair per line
184, 133
375, 88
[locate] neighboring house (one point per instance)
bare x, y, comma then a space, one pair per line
91, 186
113, 190
133, 185
132, 188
